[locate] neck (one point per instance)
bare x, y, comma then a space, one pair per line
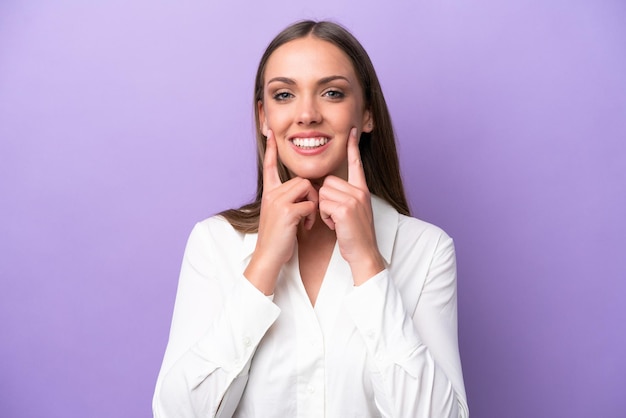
320, 232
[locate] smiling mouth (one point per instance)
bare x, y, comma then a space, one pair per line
309, 143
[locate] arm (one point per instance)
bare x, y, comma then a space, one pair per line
219, 319
416, 369
222, 314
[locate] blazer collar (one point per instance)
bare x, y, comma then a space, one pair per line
385, 225
249, 243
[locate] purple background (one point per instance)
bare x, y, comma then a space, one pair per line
122, 124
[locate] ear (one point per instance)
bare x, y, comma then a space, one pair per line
262, 118
368, 122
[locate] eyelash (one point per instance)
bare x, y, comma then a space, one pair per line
332, 94
282, 96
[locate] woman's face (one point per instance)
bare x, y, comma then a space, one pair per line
312, 98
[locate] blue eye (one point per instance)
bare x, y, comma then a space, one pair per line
282, 96
334, 94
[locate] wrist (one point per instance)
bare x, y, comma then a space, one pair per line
262, 275
368, 267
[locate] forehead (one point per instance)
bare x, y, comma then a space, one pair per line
308, 57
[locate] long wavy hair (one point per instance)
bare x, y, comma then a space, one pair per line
378, 148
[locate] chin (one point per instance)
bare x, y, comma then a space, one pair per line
315, 173
309, 175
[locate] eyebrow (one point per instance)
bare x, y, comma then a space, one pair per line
321, 81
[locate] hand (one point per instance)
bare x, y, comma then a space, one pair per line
283, 207
345, 206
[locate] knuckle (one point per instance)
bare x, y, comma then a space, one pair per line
344, 210
361, 195
306, 184
353, 202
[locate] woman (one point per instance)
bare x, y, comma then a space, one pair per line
322, 297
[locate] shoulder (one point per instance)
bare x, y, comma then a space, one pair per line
214, 238
410, 228
405, 230
409, 245
217, 226
423, 245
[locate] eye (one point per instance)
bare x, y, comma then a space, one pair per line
281, 96
334, 94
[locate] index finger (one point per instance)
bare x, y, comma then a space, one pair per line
356, 176
271, 179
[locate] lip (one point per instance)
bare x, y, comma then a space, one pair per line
309, 134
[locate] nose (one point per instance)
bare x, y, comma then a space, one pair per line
308, 112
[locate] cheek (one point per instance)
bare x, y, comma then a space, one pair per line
276, 114
354, 114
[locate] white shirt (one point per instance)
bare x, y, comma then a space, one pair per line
387, 348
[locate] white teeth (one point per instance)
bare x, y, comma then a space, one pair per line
309, 142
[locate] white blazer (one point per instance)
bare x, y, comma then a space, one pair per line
387, 348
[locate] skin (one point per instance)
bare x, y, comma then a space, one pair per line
311, 89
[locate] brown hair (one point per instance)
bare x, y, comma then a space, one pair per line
378, 148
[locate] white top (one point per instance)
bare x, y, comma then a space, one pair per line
387, 348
